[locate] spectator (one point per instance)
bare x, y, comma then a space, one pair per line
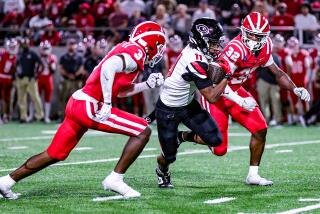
305, 20
12, 18
39, 21
136, 18
72, 32
71, 69
235, 17
118, 18
101, 9
181, 21
83, 18
55, 10
28, 65
34, 7
161, 16
203, 11
293, 6
283, 18
94, 58
261, 7
14, 6
51, 35
170, 5
269, 94
130, 6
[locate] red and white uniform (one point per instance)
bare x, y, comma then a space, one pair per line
45, 80
7, 70
301, 65
83, 105
242, 63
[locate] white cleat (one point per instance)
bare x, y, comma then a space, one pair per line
257, 180
120, 187
7, 193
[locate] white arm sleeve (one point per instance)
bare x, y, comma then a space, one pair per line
137, 88
231, 95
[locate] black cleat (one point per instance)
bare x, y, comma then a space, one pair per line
164, 179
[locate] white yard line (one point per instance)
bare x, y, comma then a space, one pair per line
309, 199
201, 151
302, 209
17, 147
150, 149
283, 151
82, 148
219, 200
109, 198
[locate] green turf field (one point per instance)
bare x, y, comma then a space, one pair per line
197, 175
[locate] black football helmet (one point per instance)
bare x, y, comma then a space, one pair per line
206, 35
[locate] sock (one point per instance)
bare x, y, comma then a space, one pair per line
253, 170
47, 108
116, 176
7, 181
163, 170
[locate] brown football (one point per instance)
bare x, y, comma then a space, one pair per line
215, 72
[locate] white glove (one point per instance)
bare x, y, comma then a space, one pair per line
302, 93
155, 80
248, 103
104, 113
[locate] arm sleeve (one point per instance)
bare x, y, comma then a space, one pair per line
231, 95
108, 71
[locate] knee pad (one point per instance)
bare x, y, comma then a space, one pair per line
212, 139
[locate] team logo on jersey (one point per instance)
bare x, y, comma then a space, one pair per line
201, 28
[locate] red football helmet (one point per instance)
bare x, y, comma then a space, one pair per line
151, 37
255, 30
45, 48
278, 41
12, 46
293, 44
175, 43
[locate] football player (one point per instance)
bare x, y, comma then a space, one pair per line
244, 54
7, 71
301, 76
45, 81
177, 104
91, 108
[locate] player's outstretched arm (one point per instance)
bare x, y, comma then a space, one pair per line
155, 80
285, 82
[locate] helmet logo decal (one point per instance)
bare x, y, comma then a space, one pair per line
203, 29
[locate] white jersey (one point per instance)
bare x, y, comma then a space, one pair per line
188, 74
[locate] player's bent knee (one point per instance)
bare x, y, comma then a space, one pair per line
212, 140
261, 135
60, 156
170, 158
220, 151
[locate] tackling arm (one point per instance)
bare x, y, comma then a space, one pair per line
212, 93
282, 78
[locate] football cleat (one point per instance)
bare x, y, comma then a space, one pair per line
118, 186
164, 179
7, 193
257, 180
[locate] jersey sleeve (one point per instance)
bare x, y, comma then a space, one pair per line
137, 55
269, 62
197, 72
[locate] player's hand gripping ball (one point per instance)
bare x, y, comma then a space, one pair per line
215, 72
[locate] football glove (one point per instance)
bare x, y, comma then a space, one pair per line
248, 103
302, 93
155, 80
105, 112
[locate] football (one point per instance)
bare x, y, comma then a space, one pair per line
215, 72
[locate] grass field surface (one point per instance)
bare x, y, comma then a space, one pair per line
291, 160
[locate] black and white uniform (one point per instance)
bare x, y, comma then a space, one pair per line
177, 104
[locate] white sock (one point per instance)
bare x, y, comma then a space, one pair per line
116, 176
7, 181
253, 170
47, 108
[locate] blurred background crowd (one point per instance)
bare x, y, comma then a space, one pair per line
50, 47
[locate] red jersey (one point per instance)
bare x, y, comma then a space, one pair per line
314, 56
283, 20
49, 61
285, 58
242, 61
84, 21
7, 65
122, 79
301, 64
172, 57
